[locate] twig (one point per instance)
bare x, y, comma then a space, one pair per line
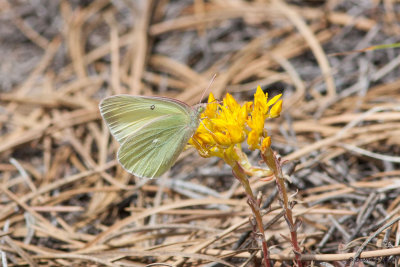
376, 233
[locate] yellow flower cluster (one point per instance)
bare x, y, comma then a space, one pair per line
226, 125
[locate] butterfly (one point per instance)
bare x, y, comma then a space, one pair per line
152, 130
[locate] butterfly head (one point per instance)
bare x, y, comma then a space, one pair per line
199, 109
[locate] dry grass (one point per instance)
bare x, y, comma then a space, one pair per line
66, 202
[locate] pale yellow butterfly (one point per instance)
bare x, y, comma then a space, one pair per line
152, 131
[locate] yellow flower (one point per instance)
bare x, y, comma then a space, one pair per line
211, 108
256, 123
260, 100
276, 109
262, 110
224, 126
266, 143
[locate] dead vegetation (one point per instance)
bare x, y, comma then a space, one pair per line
66, 202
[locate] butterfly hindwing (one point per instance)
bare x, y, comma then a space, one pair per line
154, 149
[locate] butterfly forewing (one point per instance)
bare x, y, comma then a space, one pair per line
152, 131
126, 114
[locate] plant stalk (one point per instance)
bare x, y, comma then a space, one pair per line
275, 165
239, 173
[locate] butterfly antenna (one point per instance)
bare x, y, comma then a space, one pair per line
208, 87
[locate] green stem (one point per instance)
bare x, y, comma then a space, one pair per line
239, 173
